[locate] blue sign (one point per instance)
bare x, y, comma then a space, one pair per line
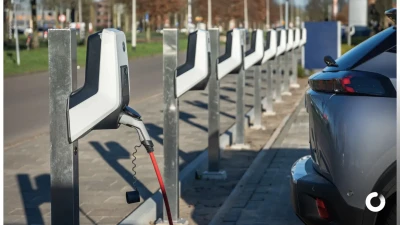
323, 38
146, 17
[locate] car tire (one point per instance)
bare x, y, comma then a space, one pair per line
391, 219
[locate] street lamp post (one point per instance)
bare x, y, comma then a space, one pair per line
15, 2
267, 14
287, 14
134, 24
280, 14
189, 25
246, 18
209, 24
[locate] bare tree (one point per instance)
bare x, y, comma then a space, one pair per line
35, 37
318, 10
343, 15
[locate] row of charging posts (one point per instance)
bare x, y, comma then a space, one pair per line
102, 103
277, 49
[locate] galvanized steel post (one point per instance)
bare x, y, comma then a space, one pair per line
269, 110
257, 123
240, 110
63, 154
214, 151
171, 121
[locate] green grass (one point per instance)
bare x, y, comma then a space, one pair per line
37, 60
346, 48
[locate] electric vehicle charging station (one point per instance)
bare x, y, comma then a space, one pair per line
296, 45
239, 137
221, 66
288, 63
281, 63
192, 75
253, 58
102, 103
269, 55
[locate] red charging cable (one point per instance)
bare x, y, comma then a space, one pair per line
160, 180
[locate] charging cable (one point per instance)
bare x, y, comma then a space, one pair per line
131, 118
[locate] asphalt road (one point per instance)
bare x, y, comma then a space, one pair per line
26, 98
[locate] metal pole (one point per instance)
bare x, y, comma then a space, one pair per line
295, 62
240, 114
63, 154
171, 121
213, 105
16, 33
267, 17
189, 16
246, 17
280, 14
287, 14
209, 25
10, 20
278, 79
286, 74
293, 80
257, 124
109, 17
134, 24
118, 17
269, 110
302, 49
80, 12
214, 151
292, 12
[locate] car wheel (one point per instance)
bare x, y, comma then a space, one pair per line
391, 219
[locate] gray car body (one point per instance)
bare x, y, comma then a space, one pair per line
353, 138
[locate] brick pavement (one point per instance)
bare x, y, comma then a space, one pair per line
265, 199
200, 203
105, 161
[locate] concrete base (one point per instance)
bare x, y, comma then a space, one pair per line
295, 86
240, 146
258, 127
278, 101
286, 93
179, 222
209, 175
269, 113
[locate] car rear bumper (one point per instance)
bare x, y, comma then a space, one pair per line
307, 185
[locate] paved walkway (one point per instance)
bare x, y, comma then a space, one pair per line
265, 199
105, 161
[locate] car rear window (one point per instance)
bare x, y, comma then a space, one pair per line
373, 46
384, 64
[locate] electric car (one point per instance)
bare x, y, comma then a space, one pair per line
352, 126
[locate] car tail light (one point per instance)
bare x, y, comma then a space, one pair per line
353, 83
322, 211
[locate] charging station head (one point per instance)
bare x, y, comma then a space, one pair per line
303, 36
256, 52
270, 47
289, 39
282, 42
106, 91
296, 38
195, 72
232, 58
